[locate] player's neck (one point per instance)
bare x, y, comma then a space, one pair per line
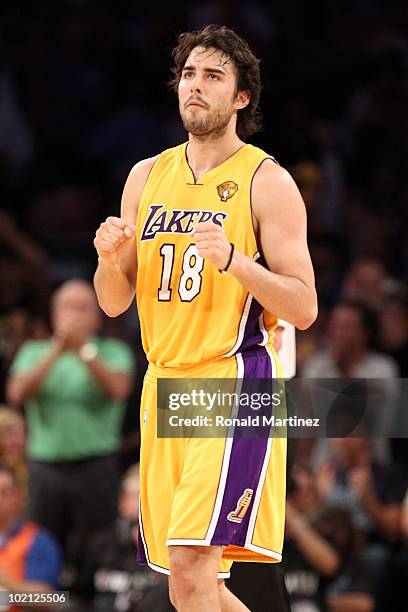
207, 152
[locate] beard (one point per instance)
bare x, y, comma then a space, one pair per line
205, 122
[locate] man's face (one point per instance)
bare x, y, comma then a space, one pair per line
208, 99
13, 439
345, 331
76, 302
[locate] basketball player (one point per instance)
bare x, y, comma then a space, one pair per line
212, 204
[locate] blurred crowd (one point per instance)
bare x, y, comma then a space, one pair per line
83, 96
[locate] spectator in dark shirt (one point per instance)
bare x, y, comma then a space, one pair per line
112, 573
394, 331
373, 494
324, 569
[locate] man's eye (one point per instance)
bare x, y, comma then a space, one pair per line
213, 77
187, 75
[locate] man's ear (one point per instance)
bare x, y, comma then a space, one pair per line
242, 99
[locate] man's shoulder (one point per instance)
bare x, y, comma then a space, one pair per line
44, 557
261, 154
272, 179
30, 349
36, 345
42, 538
34, 534
115, 351
274, 192
108, 342
268, 169
144, 166
386, 365
316, 365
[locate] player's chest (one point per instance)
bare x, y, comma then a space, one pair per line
176, 208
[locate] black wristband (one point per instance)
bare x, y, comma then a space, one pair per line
230, 258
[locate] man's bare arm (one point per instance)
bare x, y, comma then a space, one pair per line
114, 384
313, 546
115, 276
287, 288
22, 387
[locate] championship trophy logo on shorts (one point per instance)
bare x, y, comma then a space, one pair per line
227, 190
238, 514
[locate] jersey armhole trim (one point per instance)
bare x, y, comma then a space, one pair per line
148, 176
251, 210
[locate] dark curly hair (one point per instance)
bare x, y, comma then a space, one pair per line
246, 64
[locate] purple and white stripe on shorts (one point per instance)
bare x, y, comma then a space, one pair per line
244, 465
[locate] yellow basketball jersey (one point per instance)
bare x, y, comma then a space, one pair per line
189, 312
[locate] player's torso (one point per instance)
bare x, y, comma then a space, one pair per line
189, 312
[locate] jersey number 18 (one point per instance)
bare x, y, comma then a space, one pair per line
190, 280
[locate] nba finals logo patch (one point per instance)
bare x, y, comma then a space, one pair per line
227, 190
237, 516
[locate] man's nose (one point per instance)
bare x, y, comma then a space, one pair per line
196, 84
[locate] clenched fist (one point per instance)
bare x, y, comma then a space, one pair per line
112, 237
212, 243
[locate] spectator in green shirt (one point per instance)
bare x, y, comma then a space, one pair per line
73, 388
